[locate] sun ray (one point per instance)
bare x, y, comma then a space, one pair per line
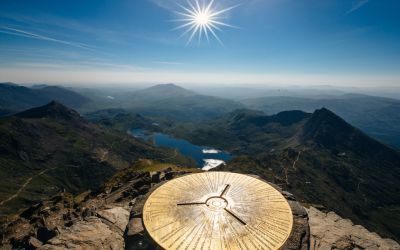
193, 8
209, 6
187, 31
224, 10
224, 24
202, 20
184, 25
215, 27
215, 35
206, 33
200, 34
192, 12
198, 5
193, 34
184, 14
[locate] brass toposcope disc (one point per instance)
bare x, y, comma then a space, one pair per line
217, 210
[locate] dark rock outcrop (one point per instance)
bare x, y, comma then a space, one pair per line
87, 221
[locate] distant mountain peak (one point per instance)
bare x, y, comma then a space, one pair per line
51, 110
169, 85
324, 125
166, 85
168, 90
324, 116
329, 130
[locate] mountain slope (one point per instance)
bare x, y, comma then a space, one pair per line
173, 102
15, 98
65, 96
121, 120
165, 91
319, 157
377, 116
51, 148
248, 131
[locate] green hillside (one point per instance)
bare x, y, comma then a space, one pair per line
51, 148
377, 116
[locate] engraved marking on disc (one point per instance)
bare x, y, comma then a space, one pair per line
217, 210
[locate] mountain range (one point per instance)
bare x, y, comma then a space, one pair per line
15, 98
377, 116
176, 103
51, 148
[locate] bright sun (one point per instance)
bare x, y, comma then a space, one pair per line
202, 20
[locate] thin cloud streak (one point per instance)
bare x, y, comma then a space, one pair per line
168, 63
23, 33
89, 65
100, 34
359, 4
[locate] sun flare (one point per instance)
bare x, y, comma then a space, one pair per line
202, 20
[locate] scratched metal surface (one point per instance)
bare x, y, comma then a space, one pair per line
217, 210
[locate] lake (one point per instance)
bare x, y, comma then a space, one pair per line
205, 157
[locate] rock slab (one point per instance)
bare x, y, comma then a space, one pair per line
89, 234
330, 231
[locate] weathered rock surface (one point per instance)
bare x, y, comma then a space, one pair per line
118, 216
89, 234
88, 221
330, 231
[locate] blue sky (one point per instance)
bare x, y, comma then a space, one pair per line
303, 42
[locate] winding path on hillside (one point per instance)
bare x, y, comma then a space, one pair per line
25, 185
293, 166
297, 159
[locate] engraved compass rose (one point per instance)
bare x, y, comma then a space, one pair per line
216, 203
217, 210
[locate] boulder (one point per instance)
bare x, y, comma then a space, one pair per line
89, 234
135, 227
118, 216
34, 243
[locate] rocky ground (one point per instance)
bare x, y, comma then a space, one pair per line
111, 219
330, 231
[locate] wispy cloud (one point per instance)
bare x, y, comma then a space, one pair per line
357, 5
167, 62
77, 67
73, 28
27, 34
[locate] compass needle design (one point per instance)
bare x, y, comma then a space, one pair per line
235, 216
225, 190
228, 210
191, 203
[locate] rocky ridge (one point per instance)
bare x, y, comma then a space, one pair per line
112, 219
